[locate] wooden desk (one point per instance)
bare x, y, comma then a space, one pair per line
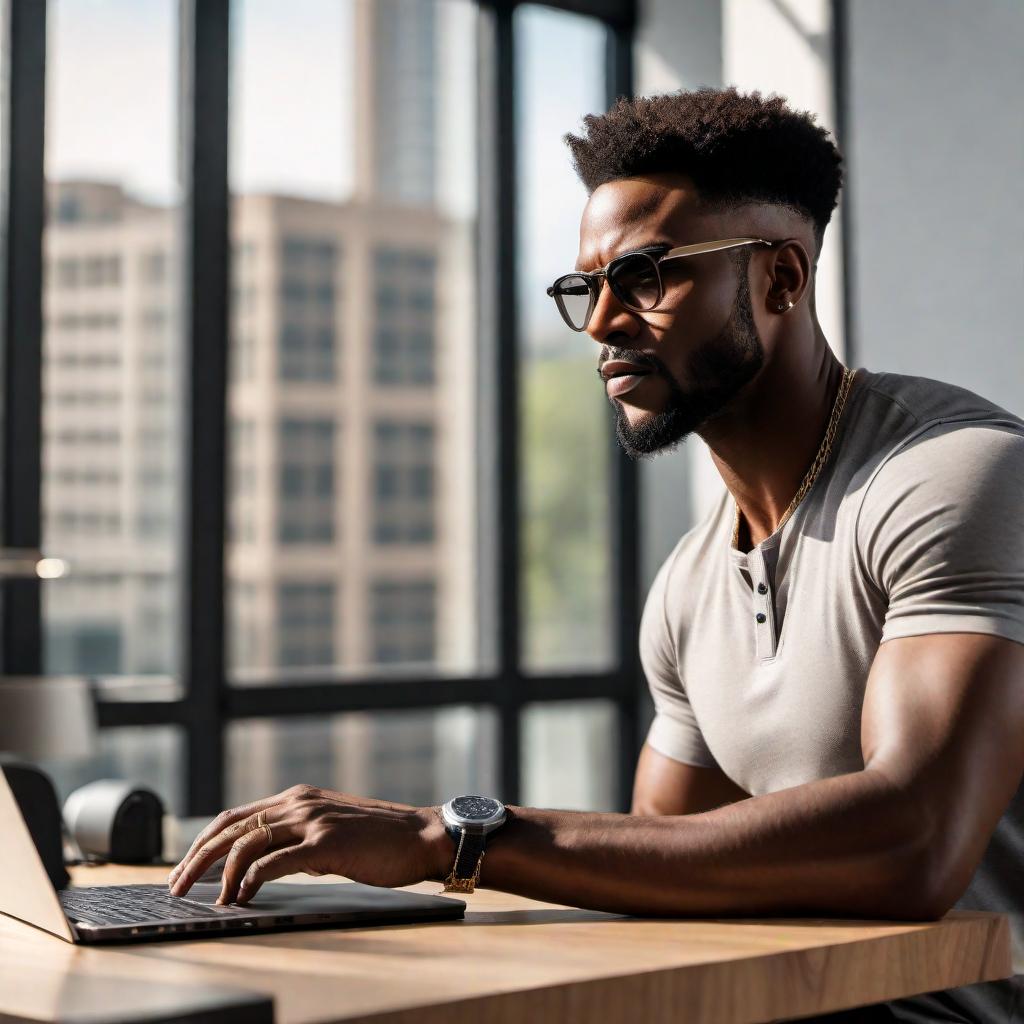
515, 960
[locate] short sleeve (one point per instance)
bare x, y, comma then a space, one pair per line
941, 532
674, 731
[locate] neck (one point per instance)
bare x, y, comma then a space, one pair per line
765, 442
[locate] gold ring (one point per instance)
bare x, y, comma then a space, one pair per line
270, 835
261, 819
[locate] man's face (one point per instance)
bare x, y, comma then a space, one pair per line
701, 344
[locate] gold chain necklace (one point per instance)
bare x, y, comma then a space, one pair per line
819, 460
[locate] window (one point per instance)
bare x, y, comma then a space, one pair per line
153, 267
305, 630
153, 757
67, 272
404, 295
563, 417
307, 352
404, 472
404, 621
407, 756
294, 292
306, 494
86, 648
112, 234
380, 508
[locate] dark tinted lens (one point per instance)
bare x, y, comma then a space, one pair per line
634, 279
573, 297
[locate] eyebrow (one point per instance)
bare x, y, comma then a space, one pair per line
647, 247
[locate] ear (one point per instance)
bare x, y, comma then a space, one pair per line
790, 268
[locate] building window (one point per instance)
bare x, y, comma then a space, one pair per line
404, 299
404, 460
101, 270
306, 340
294, 292
311, 254
404, 621
85, 648
67, 273
306, 481
306, 352
305, 625
153, 266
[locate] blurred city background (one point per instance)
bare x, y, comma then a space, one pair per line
352, 445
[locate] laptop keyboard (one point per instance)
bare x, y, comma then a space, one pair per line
138, 904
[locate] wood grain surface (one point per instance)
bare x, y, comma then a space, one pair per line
513, 959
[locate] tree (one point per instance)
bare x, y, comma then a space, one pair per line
567, 429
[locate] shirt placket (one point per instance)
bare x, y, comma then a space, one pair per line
764, 605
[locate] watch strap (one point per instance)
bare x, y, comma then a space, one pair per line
469, 848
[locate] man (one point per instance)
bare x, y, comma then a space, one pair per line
836, 653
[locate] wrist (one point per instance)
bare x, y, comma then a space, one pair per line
503, 846
439, 853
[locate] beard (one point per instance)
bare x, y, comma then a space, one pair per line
720, 369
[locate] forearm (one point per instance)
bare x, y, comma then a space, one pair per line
844, 846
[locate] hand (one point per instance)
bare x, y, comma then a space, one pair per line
319, 832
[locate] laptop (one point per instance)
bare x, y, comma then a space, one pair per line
140, 913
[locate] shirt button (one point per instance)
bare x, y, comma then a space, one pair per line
761, 616
762, 589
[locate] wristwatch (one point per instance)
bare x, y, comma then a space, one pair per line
469, 820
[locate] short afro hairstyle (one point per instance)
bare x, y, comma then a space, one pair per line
736, 148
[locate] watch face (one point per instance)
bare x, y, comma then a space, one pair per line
475, 808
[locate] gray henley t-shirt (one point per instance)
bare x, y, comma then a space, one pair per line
757, 662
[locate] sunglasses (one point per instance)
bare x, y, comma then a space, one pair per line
634, 278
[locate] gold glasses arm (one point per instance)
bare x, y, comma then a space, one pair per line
699, 247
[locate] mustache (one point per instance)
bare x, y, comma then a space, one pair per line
630, 356
652, 362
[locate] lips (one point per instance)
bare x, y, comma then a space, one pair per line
621, 376
617, 367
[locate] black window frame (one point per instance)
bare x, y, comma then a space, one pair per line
208, 703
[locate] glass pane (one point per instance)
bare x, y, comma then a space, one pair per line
152, 757
415, 757
570, 755
565, 423
352, 500
111, 387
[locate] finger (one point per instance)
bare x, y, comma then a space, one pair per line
205, 843
223, 821
215, 848
244, 852
285, 861
230, 817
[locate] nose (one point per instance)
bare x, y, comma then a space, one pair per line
610, 317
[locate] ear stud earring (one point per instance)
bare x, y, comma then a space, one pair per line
783, 306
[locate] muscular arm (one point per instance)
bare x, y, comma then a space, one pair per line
665, 786
899, 839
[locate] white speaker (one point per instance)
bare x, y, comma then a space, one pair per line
116, 821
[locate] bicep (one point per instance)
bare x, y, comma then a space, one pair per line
663, 786
943, 722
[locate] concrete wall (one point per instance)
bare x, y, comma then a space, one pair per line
936, 147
